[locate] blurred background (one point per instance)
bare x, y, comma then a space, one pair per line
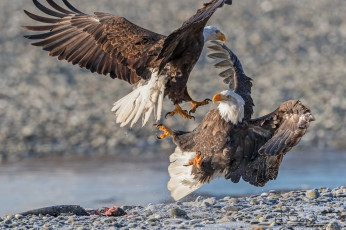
59, 143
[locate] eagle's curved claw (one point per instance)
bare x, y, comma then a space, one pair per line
196, 104
169, 113
166, 131
197, 161
180, 111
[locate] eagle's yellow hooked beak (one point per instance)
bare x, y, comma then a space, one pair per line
220, 97
222, 37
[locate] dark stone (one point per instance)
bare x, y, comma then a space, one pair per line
58, 210
178, 213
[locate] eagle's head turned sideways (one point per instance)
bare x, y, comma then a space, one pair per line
212, 33
231, 106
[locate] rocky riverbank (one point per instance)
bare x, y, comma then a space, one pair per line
322, 208
292, 49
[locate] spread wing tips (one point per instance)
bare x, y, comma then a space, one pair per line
60, 13
47, 11
227, 57
72, 7
291, 127
40, 18
58, 8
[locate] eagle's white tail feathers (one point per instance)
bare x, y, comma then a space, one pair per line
141, 101
182, 182
160, 102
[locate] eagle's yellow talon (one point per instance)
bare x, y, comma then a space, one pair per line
197, 161
196, 104
166, 131
180, 111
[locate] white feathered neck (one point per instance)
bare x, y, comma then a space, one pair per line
232, 110
210, 33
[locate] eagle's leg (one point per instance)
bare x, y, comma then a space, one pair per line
196, 104
197, 161
166, 131
180, 111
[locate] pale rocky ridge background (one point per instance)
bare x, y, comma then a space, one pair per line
291, 49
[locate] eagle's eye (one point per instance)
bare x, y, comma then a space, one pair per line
228, 96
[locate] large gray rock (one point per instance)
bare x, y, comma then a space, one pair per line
312, 194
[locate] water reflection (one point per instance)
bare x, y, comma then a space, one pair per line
99, 182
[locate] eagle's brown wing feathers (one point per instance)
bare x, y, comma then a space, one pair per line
101, 43
266, 141
233, 74
288, 124
191, 30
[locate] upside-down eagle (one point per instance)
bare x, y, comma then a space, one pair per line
228, 142
107, 44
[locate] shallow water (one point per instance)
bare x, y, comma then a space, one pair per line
94, 183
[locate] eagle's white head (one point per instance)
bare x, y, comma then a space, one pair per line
212, 33
231, 106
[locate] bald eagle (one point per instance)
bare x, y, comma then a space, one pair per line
228, 142
157, 65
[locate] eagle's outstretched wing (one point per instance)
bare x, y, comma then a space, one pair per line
101, 43
233, 74
287, 124
258, 156
108, 44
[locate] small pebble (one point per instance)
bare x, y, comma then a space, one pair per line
264, 194
18, 216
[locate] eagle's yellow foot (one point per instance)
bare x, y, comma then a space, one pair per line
197, 161
196, 104
166, 131
180, 111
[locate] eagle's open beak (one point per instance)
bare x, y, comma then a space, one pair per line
222, 37
219, 97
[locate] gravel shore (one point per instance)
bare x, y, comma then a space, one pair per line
322, 208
